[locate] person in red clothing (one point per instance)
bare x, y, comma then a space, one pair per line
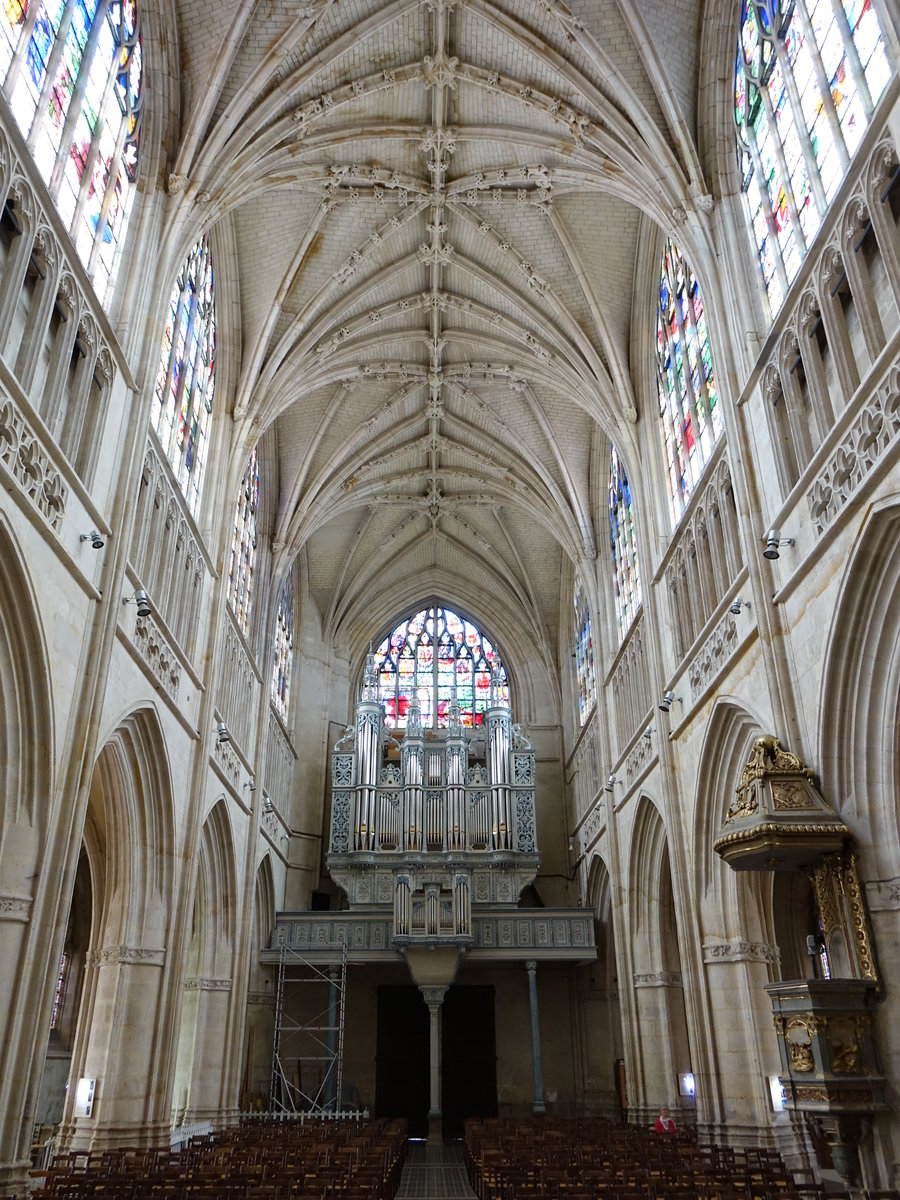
664, 1123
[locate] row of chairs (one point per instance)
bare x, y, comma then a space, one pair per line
591, 1159
258, 1160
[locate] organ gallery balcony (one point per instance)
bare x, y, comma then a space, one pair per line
434, 823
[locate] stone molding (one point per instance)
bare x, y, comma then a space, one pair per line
658, 979
713, 655
30, 464
738, 951
15, 908
126, 955
158, 654
883, 895
863, 446
196, 983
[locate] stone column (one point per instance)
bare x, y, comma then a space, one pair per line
434, 998
537, 1063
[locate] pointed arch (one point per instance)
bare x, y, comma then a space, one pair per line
130, 832
216, 895
26, 719
726, 747
859, 742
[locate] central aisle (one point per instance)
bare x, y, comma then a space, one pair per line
434, 1173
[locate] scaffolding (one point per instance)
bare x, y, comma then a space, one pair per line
308, 1046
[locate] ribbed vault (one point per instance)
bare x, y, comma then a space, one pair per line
436, 208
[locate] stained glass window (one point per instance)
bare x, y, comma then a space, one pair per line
284, 651
808, 74
242, 561
438, 656
688, 397
623, 544
584, 654
71, 72
185, 378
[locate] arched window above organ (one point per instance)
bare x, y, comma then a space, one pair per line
623, 544
242, 560
185, 378
808, 74
72, 75
686, 380
584, 654
438, 656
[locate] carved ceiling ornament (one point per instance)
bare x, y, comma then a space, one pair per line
779, 820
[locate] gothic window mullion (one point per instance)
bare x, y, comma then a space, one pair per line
20, 58
92, 158
786, 180
74, 112
759, 171
824, 94
796, 103
56, 53
856, 67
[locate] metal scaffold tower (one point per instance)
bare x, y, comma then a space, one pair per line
308, 1049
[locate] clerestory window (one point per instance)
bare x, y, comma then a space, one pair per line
242, 560
283, 650
584, 654
438, 656
72, 75
623, 544
185, 379
688, 396
808, 74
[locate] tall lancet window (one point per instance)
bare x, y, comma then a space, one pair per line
185, 377
808, 74
283, 651
584, 654
242, 560
623, 544
71, 72
688, 398
437, 655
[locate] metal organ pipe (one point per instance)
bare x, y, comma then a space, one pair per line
369, 721
498, 722
413, 763
457, 761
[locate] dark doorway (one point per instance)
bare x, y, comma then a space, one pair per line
401, 1057
469, 1057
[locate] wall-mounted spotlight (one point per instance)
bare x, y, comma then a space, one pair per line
95, 538
648, 732
610, 784
773, 540
737, 603
665, 704
267, 803
222, 733
142, 601
571, 845
250, 785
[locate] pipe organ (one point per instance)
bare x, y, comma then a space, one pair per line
415, 824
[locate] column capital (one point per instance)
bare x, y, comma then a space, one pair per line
531, 965
433, 996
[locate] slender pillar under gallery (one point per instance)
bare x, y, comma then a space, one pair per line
537, 1064
434, 998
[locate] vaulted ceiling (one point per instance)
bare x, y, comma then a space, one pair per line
436, 208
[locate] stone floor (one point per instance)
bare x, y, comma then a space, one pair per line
434, 1173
